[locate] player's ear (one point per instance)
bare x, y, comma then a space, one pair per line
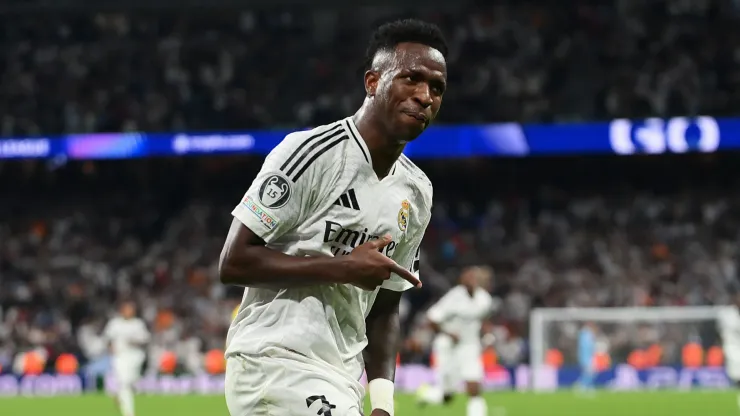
371, 82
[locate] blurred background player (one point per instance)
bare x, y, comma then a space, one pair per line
729, 329
586, 354
128, 336
457, 319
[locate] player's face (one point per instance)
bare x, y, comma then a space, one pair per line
469, 279
411, 87
128, 310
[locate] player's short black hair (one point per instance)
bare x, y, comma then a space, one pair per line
388, 35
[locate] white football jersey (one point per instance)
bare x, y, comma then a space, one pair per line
127, 337
318, 195
459, 313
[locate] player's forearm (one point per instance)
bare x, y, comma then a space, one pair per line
245, 261
383, 336
259, 266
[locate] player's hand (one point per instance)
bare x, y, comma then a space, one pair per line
378, 412
368, 268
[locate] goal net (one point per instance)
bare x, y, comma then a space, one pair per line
634, 348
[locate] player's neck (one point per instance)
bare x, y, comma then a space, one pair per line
384, 148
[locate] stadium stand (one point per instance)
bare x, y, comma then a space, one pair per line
200, 70
76, 238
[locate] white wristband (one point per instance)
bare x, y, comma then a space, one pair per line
381, 394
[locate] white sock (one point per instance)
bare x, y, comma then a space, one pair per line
433, 395
126, 400
477, 406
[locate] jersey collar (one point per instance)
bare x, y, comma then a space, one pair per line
357, 138
349, 124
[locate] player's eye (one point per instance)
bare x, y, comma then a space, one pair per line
437, 89
415, 77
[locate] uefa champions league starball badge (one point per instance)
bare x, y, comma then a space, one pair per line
274, 192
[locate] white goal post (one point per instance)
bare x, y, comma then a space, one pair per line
541, 319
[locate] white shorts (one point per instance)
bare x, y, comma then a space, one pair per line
279, 386
127, 372
457, 363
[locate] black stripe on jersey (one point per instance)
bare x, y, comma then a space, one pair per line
405, 163
316, 156
305, 143
353, 199
415, 265
348, 200
310, 151
352, 133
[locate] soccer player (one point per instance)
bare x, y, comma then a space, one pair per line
128, 337
327, 238
729, 329
457, 319
586, 354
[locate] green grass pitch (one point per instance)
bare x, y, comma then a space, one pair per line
564, 403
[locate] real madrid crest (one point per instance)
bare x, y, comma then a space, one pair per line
403, 215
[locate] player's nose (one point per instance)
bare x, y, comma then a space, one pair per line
423, 95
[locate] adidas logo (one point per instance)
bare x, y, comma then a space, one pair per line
348, 200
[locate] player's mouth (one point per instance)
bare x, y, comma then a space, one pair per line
418, 116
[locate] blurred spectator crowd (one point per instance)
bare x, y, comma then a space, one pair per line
76, 239
236, 69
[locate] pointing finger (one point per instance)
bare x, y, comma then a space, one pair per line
405, 274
